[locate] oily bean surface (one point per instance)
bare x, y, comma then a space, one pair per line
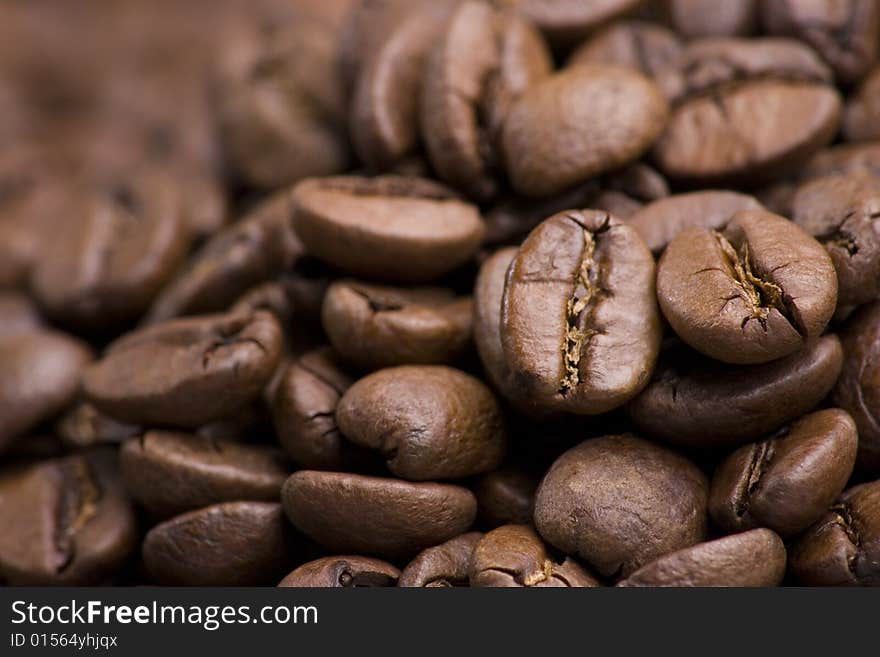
444, 565
342, 572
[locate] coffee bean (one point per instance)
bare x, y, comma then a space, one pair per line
514, 556
753, 293
505, 497
374, 326
186, 372
862, 113
484, 59
444, 565
842, 212
701, 403
390, 228
745, 111
858, 388
488, 294
18, 314
579, 123
39, 375
579, 323
845, 33
230, 544
659, 222
843, 159
619, 502
645, 47
752, 558
388, 518
567, 21
258, 248
342, 572
171, 473
83, 425
429, 422
64, 522
694, 19
789, 480
842, 548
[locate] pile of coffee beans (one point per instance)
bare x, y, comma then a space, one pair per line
419, 293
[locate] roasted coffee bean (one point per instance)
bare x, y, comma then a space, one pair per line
514, 556
64, 522
844, 33
843, 548
230, 544
567, 21
579, 123
39, 375
745, 111
171, 473
83, 425
488, 295
861, 117
444, 565
281, 105
388, 518
374, 326
858, 388
844, 159
258, 248
580, 328
659, 222
645, 47
342, 572
428, 421
384, 112
698, 402
788, 481
186, 372
304, 412
842, 212
620, 502
18, 314
694, 19
119, 243
752, 558
482, 62
505, 497
389, 228
753, 293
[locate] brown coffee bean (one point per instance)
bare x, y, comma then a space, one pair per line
843, 548
861, 116
567, 21
694, 19
788, 481
444, 565
701, 403
120, 242
342, 572
842, 212
488, 294
388, 518
428, 421
645, 47
514, 556
579, 123
858, 388
579, 323
845, 33
753, 293
844, 159
485, 58
39, 376
171, 473
258, 248
83, 425
18, 314
659, 222
374, 326
620, 502
64, 522
745, 111
186, 372
230, 544
505, 497
389, 228
752, 558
